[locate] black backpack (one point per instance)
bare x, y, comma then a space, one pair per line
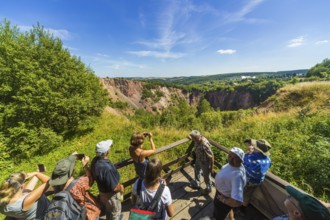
63, 206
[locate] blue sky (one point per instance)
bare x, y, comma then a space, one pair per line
166, 38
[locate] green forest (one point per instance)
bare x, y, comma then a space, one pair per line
52, 104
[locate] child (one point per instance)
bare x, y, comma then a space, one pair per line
149, 187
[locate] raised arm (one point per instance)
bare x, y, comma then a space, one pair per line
35, 176
35, 194
148, 153
88, 173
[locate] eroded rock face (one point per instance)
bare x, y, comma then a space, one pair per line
131, 92
230, 100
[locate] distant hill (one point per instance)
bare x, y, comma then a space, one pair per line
311, 95
187, 80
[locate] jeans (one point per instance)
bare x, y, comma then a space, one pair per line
203, 167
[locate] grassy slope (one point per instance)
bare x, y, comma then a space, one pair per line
110, 126
284, 130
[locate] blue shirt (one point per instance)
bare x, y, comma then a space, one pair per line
256, 166
105, 174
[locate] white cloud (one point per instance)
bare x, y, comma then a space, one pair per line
105, 60
157, 54
296, 42
240, 15
321, 42
103, 55
115, 66
174, 29
60, 33
70, 48
24, 28
228, 51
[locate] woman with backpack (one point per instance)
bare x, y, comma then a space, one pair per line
83, 205
20, 199
145, 191
140, 156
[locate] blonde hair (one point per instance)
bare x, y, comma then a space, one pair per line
11, 186
137, 139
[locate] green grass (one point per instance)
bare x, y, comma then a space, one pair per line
300, 139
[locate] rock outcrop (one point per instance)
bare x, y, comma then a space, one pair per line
161, 97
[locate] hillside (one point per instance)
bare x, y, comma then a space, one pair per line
139, 95
154, 97
300, 142
311, 95
187, 80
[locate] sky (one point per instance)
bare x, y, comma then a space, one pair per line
168, 38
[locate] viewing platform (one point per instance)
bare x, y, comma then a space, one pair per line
267, 201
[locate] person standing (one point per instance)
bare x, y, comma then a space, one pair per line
140, 156
229, 184
107, 178
204, 162
256, 165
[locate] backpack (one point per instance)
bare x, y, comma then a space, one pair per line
142, 212
63, 206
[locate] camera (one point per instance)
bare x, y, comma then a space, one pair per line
41, 167
80, 156
146, 134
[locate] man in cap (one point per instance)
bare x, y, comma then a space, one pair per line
62, 174
229, 184
204, 162
303, 206
107, 178
256, 162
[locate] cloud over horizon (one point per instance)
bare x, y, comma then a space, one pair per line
228, 51
296, 42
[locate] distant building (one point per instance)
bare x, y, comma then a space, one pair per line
248, 77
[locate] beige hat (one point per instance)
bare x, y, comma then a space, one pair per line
195, 133
261, 145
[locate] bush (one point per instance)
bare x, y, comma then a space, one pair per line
25, 142
45, 92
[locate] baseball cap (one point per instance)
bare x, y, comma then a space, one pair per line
310, 206
195, 133
239, 152
62, 171
103, 147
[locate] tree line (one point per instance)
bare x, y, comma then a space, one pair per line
46, 94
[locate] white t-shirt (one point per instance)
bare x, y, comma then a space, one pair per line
230, 181
147, 195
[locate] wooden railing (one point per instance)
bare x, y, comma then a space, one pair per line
166, 167
269, 197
